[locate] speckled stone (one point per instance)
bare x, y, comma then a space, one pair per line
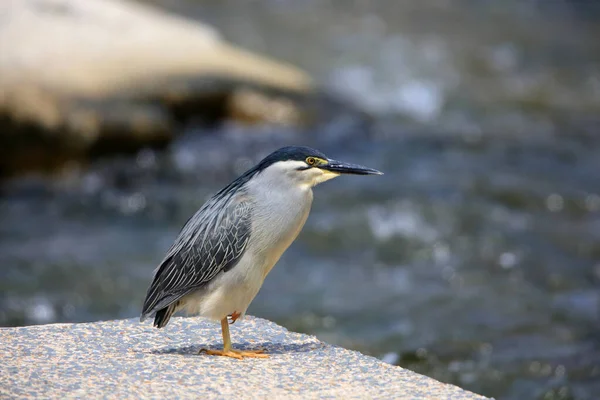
128, 359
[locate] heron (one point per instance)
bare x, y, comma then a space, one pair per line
223, 253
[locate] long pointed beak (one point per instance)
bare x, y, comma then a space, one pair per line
347, 168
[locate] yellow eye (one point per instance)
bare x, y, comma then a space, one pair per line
311, 161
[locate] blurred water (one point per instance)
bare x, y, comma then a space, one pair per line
475, 259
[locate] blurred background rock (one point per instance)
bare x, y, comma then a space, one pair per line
475, 259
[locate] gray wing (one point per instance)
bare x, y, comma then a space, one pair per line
213, 240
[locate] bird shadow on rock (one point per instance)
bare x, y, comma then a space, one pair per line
267, 347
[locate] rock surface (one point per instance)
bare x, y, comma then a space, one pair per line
127, 359
102, 75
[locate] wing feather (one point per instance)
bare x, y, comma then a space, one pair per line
213, 240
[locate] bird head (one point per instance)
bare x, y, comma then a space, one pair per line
307, 166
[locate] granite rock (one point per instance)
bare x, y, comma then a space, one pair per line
128, 359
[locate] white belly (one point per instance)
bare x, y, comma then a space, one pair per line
230, 292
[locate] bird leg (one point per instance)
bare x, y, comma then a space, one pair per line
228, 351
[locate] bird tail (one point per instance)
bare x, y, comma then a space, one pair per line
163, 315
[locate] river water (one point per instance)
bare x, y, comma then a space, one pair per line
475, 259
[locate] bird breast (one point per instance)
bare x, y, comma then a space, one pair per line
278, 216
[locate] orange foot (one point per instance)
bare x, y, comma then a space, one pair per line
239, 354
234, 316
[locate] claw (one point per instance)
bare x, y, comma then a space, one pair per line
234, 317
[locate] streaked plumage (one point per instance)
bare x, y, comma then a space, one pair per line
213, 240
222, 255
